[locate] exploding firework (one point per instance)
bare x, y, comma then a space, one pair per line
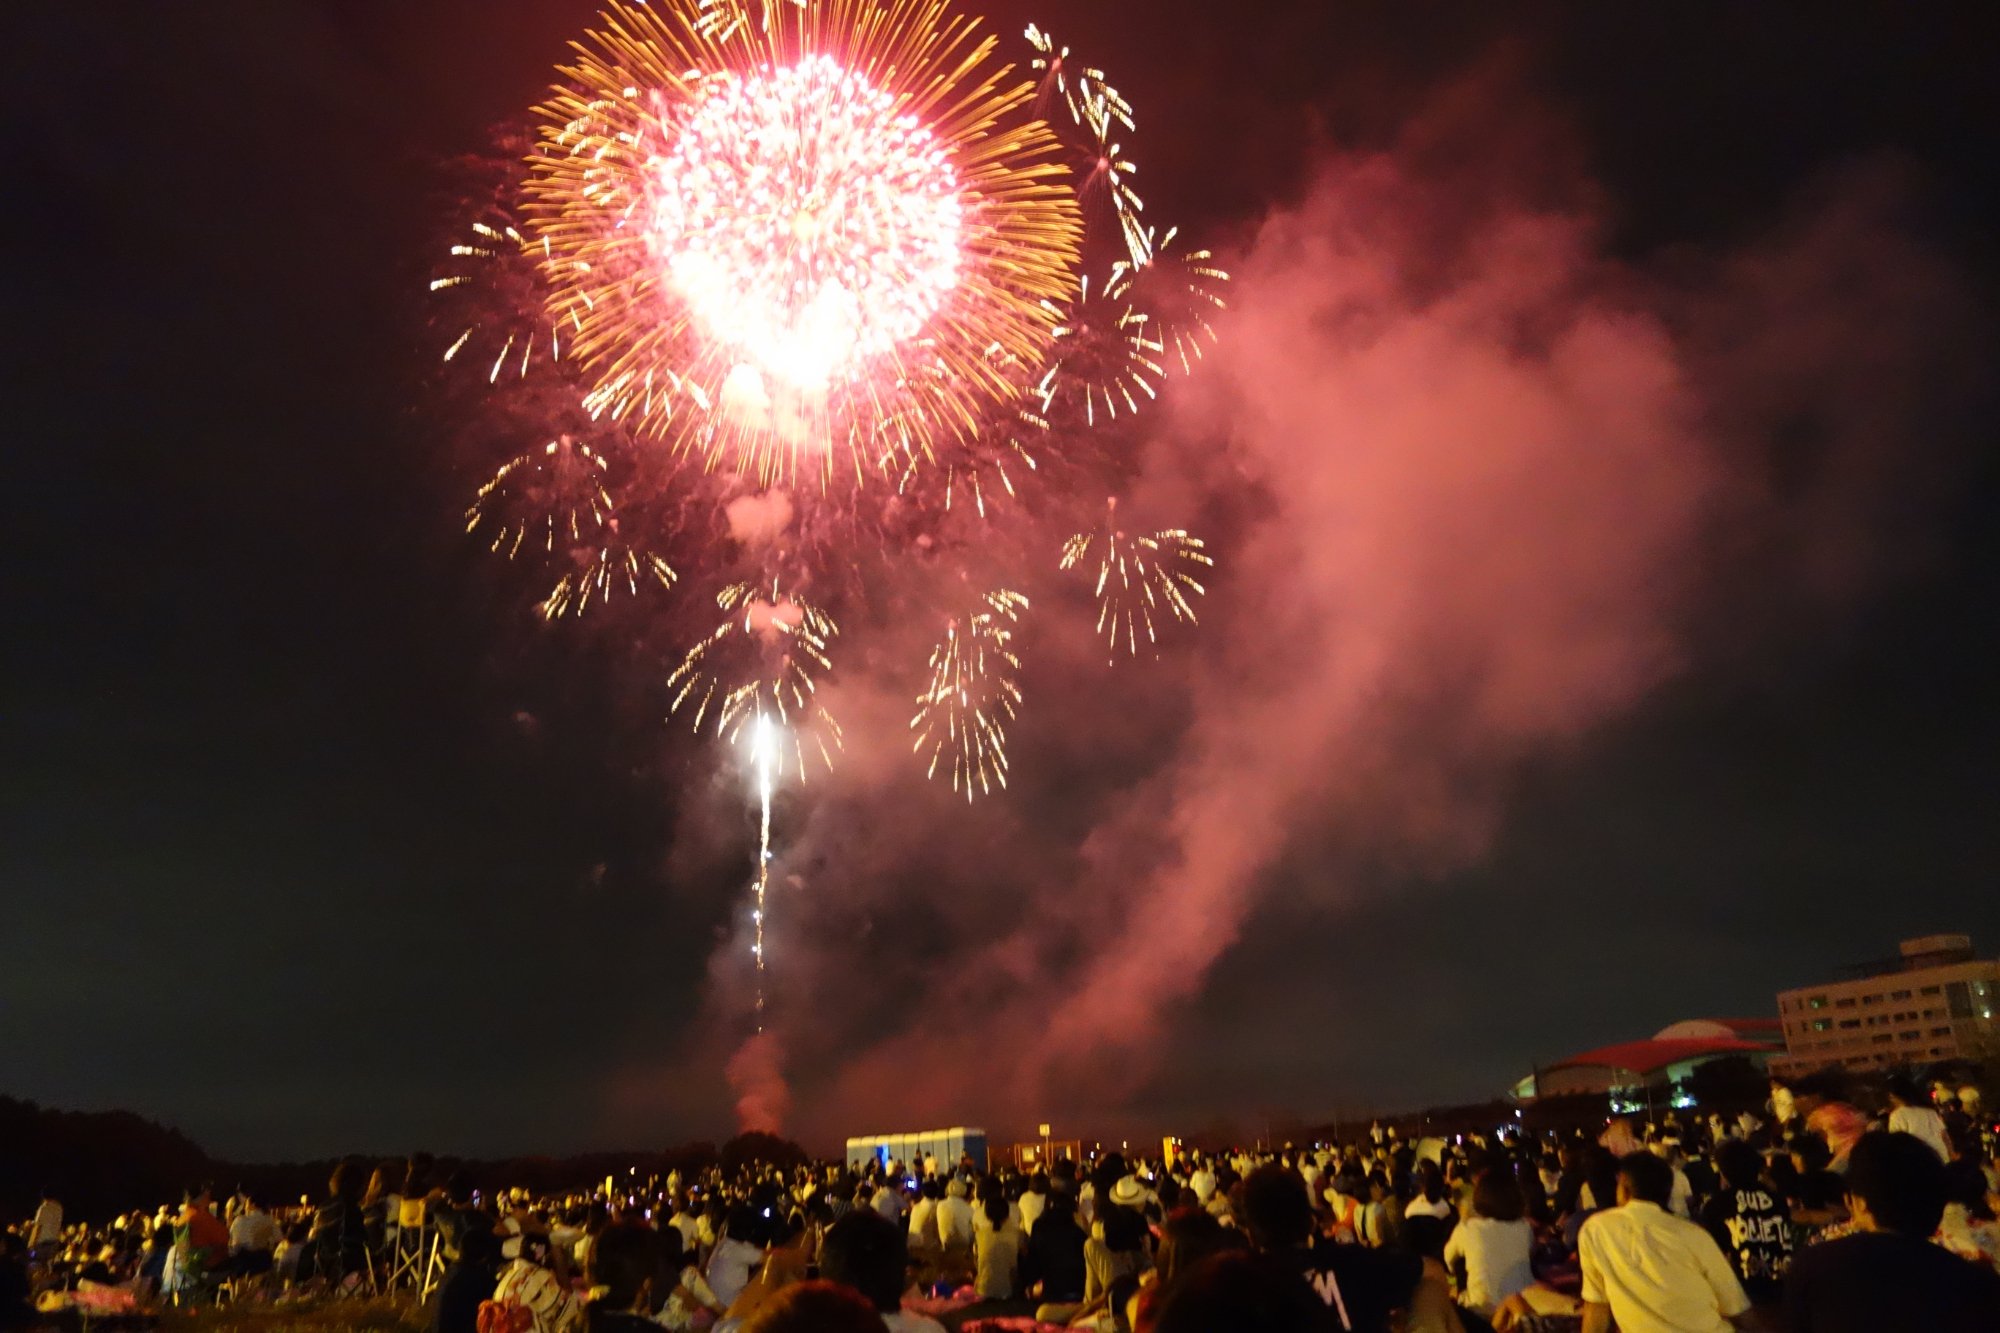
1138, 578
750, 244
800, 235
766, 656
964, 712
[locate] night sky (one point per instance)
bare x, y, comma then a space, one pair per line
309, 844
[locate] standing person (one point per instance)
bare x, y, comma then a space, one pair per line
339, 1238
1651, 1271
1493, 1244
1749, 1222
1888, 1274
1911, 1114
45, 1232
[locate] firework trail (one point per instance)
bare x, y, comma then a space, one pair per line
973, 692
1138, 577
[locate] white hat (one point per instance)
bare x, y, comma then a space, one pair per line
1128, 1192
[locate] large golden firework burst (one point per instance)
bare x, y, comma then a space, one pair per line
801, 239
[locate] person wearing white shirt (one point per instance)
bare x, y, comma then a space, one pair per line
1202, 1182
954, 1219
1494, 1244
888, 1201
923, 1219
254, 1232
1032, 1202
1911, 1116
1650, 1271
46, 1229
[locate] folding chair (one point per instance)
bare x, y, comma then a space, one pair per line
406, 1257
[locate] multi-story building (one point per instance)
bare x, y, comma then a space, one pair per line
1936, 1002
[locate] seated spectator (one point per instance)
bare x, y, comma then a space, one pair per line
738, 1253
338, 1241
1969, 1229
998, 1251
691, 1302
1749, 1223
1888, 1274
816, 1307
1245, 1293
1492, 1244
1649, 1270
1432, 1199
253, 1239
1363, 1287
1911, 1113
467, 1285
528, 1290
864, 1252
1052, 1263
1187, 1237
628, 1287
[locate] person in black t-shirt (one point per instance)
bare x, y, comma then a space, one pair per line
1053, 1255
1889, 1275
1749, 1222
468, 1282
1363, 1288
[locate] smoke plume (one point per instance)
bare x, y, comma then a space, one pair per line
1475, 488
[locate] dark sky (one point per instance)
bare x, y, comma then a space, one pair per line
281, 868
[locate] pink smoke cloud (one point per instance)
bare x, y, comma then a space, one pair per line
1481, 489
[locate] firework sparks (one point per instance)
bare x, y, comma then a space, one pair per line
783, 233
963, 713
548, 499
766, 656
602, 574
1138, 578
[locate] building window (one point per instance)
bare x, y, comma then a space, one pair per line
1845, 1002
1912, 1035
1819, 1001
1871, 999
1884, 1038
1899, 995
1850, 1022
1821, 1024
1940, 1032
1958, 998
1928, 990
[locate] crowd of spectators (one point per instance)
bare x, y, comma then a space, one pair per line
1819, 1216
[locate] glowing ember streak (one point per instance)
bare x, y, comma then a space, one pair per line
763, 753
963, 713
1138, 576
766, 656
